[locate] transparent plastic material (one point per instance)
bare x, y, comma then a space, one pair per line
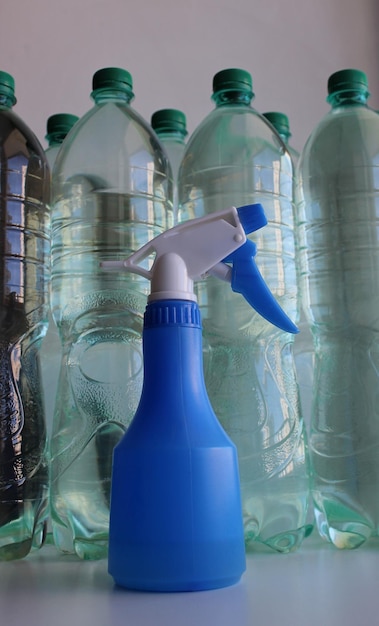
338, 212
303, 342
281, 124
235, 157
24, 258
112, 190
170, 126
51, 345
174, 145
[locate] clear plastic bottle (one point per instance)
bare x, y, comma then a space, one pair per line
112, 191
303, 342
25, 250
171, 127
233, 158
281, 124
58, 126
338, 199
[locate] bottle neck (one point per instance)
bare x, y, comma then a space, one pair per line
174, 136
101, 96
352, 97
6, 101
55, 139
285, 137
241, 97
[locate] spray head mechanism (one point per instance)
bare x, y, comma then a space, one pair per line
212, 245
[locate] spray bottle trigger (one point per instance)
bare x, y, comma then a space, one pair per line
247, 280
252, 217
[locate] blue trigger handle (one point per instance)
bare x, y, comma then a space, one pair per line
252, 217
247, 280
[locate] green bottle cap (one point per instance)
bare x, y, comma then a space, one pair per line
60, 124
7, 86
169, 120
279, 121
347, 80
112, 78
232, 79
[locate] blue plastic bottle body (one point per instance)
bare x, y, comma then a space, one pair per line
24, 259
338, 196
112, 193
176, 522
235, 157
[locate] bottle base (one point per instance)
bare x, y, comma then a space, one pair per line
342, 526
175, 586
284, 542
90, 548
20, 537
179, 566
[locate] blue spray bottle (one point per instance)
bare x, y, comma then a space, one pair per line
176, 519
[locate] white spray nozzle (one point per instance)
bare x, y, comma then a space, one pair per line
217, 245
185, 253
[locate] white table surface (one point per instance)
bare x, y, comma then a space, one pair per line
317, 585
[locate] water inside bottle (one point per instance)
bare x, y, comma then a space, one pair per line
100, 318
24, 253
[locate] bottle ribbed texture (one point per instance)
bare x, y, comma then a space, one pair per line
169, 313
234, 158
24, 271
112, 193
337, 223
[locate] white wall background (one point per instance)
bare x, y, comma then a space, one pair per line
174, 47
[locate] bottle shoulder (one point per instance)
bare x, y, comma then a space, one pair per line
346, 136
224, 122
17, 139
109, 132
51, 154
24, 167
233, 134
110, 129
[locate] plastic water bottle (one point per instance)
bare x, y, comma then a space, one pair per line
25, 249
303, 342
235, 157
281, 124
338, 199
112, 192
58, 126
170, 126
